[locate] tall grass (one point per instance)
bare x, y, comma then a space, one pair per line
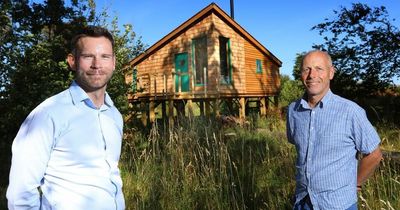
382, 190
203, 164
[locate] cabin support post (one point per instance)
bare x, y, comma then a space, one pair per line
208, 108
144, 113
216, 107
190, 107
152, 112
201, 105
263, 106
242, 108
180, 108
276, 105
171, 112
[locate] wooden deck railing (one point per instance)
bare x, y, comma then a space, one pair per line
148, 84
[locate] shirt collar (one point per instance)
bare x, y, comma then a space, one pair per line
79, 95
324, 101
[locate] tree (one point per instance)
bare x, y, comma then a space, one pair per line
291, 90
297, 65
365, 48
127, 46
32, 59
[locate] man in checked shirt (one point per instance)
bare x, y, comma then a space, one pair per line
328, 131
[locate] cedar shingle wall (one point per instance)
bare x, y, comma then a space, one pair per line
243, 61
268, 81
162, 61
237, 56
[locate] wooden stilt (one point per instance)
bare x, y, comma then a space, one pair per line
263, 107
201, 104
180, 108
216, 107
242, 108
152, 112
144, 113
208, 109
276, 105
190, 107
171, 113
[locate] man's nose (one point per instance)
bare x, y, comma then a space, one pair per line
312, 73
96, 62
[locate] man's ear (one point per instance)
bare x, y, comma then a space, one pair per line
71, 61
332, 72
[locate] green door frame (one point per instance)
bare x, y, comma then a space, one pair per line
182, 72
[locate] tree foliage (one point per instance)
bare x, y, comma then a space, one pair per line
34, 43
297, 65
127, 46
291, 90
365, 48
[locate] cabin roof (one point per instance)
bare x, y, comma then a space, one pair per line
212, 8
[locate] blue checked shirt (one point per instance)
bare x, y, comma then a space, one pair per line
327, 138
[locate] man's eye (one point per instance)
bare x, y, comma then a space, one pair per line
106, 56
87, 56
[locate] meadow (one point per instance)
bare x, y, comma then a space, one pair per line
205, 164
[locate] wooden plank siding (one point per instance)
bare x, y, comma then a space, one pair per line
156, 67
237, 56
264, 83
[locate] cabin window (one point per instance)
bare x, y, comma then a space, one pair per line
134, 80
258, 66
199, 53
225, 60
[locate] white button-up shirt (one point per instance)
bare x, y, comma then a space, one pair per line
70, 150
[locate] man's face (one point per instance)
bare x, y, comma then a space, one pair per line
316, 74
94, 63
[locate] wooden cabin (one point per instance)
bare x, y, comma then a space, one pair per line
207, 61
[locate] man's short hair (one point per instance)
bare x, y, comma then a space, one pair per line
90, 31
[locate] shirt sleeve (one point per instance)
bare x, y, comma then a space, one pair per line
288, 127
30, 153
365, 136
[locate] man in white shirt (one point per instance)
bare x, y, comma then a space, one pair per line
66, 153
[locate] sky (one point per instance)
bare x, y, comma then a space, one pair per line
283, 27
